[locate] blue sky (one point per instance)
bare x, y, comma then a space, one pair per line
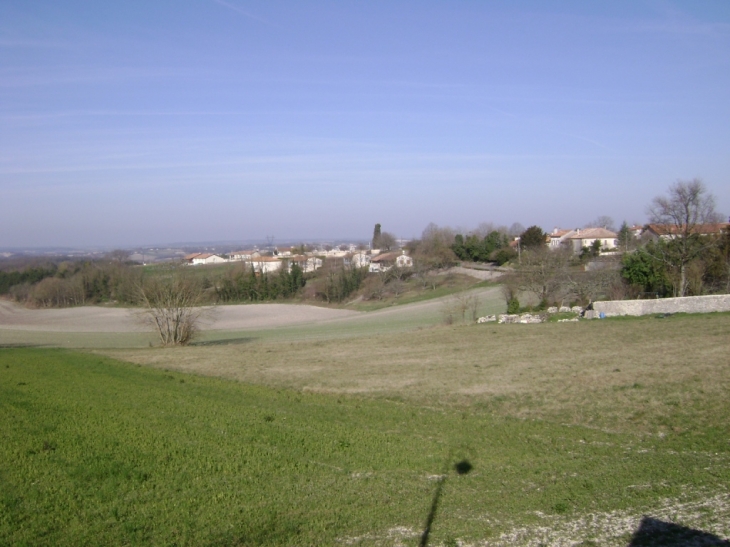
125, 123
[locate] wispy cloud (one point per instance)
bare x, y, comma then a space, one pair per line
586, 139
240, 11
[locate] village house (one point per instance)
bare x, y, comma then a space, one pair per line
384, 262
244, 255
360, 259
557, 237
670, 231
588, 236
197, 259
265, 264
306, 263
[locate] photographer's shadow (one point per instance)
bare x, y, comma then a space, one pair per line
655, 533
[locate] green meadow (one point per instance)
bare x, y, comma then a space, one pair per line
98, 451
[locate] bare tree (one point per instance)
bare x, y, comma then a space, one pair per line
683, 215
589, 286
457, 307
542, 271
434, 249
396, 287
173, 307
603, 221
387, 241
516, 229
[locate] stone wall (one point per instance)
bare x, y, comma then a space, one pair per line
686, 304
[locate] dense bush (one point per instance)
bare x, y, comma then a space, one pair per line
479, 250
72, 283
250, 286
338, 282
30, 275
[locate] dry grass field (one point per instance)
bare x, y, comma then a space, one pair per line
646, 373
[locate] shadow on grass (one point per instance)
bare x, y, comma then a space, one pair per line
461, 468
656, 533
224, 342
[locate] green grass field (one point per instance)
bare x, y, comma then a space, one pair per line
573, 432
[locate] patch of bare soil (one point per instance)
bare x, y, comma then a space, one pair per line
103, 319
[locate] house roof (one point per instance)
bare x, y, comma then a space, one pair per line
266, 259
191, 256
702, 229
594, 233
557, 233
385, 257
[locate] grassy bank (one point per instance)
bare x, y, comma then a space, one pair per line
96, 451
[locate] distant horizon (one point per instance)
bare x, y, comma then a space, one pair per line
277, 242
258, 242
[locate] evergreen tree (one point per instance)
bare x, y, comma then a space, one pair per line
533, 237
376, 237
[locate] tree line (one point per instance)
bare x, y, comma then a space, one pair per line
249, 286
69, 283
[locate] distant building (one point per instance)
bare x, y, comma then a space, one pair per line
360, 259
265, 264
199, 259
244, 255
588, 236
384, 262
670, 231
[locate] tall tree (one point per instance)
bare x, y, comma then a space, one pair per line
376, 237
683, 215
533, 237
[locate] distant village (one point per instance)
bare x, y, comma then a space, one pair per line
604, 240
265, 261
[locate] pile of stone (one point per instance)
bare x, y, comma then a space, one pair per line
522, 318
565, 309
487, 319
532, 318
